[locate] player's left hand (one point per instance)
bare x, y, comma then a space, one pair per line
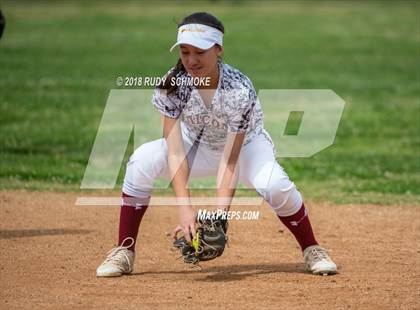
208, 243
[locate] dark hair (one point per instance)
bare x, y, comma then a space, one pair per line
195, 18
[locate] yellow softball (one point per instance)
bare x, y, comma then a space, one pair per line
195, 241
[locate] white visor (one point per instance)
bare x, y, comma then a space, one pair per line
198, 35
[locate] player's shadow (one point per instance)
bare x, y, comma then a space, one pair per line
239, 272
230, 273
24, 233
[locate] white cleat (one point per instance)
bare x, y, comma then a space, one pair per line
120, 260
318, 261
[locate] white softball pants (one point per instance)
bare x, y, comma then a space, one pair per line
258, 169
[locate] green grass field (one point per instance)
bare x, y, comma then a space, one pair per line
58, 63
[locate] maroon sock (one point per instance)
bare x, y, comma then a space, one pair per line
130, 218
300, 226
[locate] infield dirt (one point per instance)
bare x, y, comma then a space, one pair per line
50, 249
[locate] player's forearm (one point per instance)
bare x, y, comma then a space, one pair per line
227, 179
177, 160
179, 170
227, 176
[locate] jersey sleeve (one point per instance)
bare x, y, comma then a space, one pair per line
240, 119
164, 104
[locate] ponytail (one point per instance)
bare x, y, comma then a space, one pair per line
179, 67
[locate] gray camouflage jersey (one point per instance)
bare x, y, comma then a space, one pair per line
235, 108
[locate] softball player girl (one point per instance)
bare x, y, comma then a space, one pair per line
214, 129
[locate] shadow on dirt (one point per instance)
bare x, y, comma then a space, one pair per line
23, 233
233, 272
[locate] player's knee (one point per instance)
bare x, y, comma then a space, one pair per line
283, 196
